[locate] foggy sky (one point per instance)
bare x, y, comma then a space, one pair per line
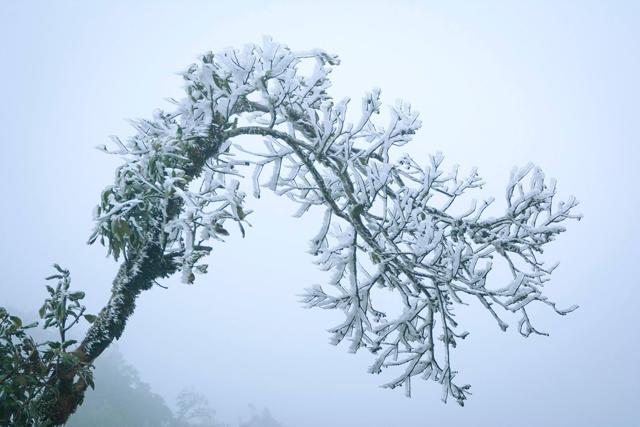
497, 85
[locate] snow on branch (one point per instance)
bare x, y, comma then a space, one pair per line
389, 221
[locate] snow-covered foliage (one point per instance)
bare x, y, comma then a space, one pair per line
389, 222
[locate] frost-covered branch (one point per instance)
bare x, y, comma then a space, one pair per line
388, 221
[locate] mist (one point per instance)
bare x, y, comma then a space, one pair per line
497, 84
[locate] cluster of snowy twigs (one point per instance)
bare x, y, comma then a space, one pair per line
388, 221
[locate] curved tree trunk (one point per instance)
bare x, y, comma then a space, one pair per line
134, 276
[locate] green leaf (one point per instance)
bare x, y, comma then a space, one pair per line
69, 343
60, 312
241, 213
16, 321
120, 229
115, 249
75, 296
42, 310
221, 230
55, 345
90, 318
105, 197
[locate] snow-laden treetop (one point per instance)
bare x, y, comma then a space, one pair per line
389, 221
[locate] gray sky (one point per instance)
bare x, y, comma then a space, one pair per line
497, 84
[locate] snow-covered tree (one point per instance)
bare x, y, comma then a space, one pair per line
390, 221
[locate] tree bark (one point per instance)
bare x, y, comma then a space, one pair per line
134, 276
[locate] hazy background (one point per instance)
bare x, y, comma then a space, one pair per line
498, 84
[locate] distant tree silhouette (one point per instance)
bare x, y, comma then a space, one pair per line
121, 398
260, 419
